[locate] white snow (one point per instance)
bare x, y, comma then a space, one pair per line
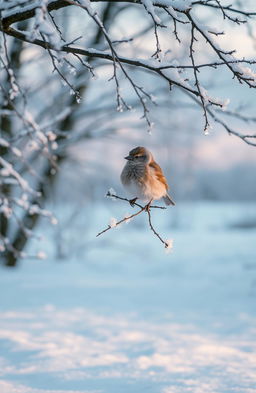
179, 5
121, 316
111, 194
11, 171
112, 222
169, 246
16, 151
148, 4
4, 143
41, 255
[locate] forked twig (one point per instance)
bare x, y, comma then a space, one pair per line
142, 208
109, 194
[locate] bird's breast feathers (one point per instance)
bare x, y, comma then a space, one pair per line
144, 182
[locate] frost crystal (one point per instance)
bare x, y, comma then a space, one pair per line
33, 145
34, 209
3, 142
207, 129
111, 194
54, 145
16, 151
6, 209
51, 136
112, 222
127, 216
169, 245
214, 100
41, 255
54, 221
112, 191
148, 4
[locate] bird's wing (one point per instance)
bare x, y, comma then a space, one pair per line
158, 173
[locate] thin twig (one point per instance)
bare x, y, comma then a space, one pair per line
121, 221
197, 83
142, 208
110, 195
154, 231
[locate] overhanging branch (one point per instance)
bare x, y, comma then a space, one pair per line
170, 72
100, 55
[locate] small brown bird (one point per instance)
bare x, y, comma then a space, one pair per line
143, 178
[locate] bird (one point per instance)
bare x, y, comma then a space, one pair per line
143, 178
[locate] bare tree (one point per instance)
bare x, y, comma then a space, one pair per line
46, 84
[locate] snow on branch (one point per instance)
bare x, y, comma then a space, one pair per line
243, 74
114, 223
48, 34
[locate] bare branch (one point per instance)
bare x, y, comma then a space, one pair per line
195, 70
245, 138
224, 9
145, 208
111, 195
224, 56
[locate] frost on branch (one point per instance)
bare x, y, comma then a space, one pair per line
178, 18
169, 245
113, 222
111, 194
128, 217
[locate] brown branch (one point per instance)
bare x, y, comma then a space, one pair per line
221, 54
62, 76
197, 84
212, 65
29, 13
58, 4
110, 195
138, 90
145, 208
6, 22
154, 231
246, 138
121, 221
114, 57
223, 9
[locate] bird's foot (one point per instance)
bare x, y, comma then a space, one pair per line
132, 201
147, 206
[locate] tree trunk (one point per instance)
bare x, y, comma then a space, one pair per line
28, 221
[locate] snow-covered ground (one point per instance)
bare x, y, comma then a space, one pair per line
120, 315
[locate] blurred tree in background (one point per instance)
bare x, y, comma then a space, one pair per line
77, 70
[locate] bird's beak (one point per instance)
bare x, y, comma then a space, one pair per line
128, 158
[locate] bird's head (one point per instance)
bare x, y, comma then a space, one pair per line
139, 155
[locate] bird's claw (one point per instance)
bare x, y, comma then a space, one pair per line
132, 201
147, 206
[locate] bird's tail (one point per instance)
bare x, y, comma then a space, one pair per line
168, 201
